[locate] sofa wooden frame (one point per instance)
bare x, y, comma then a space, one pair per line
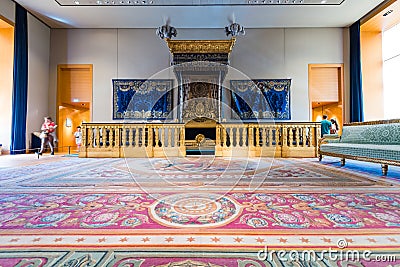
384, 163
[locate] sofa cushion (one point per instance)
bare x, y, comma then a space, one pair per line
372, 134
383, 152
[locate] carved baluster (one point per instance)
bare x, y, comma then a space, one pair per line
142, 136
303, 135
271, 136
237, 135
218, 136
230, 135
244, 136
291, 129
89, 136
298, 135
264, 137
136, 136
149, 136
130, 136
156, 137
84, 135
182, 136
224, 133
109, 135
169, 132
281, 135
116, 136
171, 139
251, 135
313, 141
98, 133
162, 136
123, 137
257, 129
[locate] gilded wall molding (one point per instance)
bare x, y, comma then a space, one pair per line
372, 122
200, 46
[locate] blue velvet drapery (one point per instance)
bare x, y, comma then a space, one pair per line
20, 88
356, 94
261, 99
142, 99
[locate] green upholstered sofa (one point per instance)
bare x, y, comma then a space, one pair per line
375, 141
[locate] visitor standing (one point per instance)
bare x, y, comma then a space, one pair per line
325, 126
46, 135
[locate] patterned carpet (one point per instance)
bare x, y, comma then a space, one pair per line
198, 211
202, 173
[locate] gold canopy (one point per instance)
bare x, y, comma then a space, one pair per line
200, 46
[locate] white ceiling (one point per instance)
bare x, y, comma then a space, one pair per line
211, 16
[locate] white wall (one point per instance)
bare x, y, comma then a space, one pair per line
38, 75
7, 9
87, 46
139, 53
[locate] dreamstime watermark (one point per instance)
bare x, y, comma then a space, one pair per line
340, 253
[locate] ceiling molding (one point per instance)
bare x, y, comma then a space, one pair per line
383, 18
150, 3
377, 10
207, 16
6, 23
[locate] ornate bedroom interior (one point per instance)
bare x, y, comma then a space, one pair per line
201, 125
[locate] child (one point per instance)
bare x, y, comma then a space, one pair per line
78, 137
335, 126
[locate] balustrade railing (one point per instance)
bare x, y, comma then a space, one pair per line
132, 140
289, 139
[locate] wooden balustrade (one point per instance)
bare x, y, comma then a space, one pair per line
132, 140
289, 139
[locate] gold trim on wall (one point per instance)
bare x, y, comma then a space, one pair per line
373, 122
200, 46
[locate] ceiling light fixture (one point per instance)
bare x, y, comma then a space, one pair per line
388, 12
166, 31
234, 29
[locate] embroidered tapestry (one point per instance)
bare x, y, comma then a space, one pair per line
142, 99
261, 99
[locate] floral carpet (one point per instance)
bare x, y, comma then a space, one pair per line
198, 211
206, 173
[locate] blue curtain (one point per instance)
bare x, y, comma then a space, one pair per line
20, 88
261, 99
142, 99
242, 109
356, 95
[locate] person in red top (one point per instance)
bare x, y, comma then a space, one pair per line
46, 136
